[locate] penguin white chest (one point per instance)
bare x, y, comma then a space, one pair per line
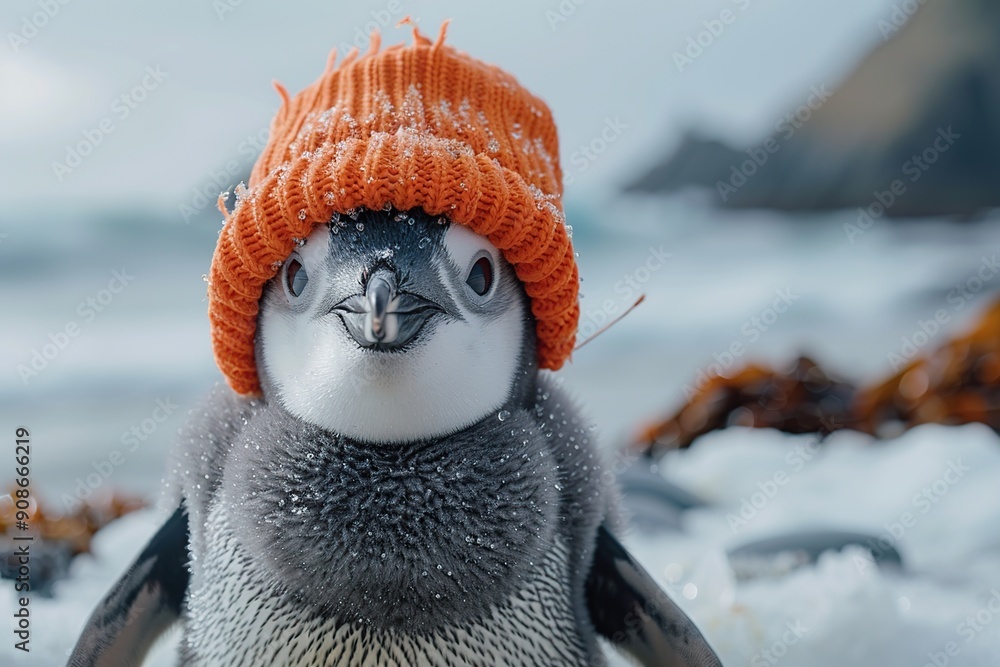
236, 618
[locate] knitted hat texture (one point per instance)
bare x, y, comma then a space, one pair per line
422, 125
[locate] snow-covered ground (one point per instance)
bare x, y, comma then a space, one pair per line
931, 494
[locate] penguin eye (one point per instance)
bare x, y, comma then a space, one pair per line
295, 277
481, 276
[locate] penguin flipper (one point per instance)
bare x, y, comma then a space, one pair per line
144, 603
630, 610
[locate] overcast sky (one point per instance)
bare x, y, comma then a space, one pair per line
206, 69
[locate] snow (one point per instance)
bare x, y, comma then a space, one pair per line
928, 494
842, 610
56, 623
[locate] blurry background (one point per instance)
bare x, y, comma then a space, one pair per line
120, 123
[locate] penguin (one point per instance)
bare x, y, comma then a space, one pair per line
409, 488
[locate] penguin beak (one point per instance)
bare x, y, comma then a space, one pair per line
383, 317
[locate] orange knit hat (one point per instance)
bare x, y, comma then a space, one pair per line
425, 126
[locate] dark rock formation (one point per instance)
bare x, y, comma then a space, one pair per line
914, 129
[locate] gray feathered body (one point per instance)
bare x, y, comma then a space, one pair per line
309, 548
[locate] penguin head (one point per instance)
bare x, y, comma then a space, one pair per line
388, 326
